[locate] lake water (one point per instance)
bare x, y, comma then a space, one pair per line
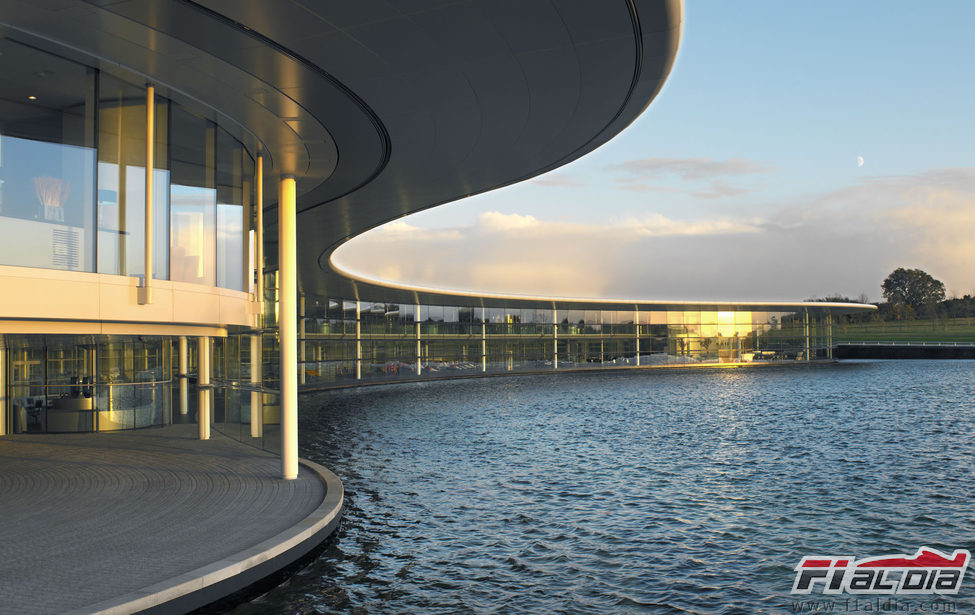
686, 491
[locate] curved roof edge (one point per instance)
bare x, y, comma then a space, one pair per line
426, 295
507, 93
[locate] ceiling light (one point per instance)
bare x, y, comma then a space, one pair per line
31, 97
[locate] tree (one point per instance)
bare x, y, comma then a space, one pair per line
912, 288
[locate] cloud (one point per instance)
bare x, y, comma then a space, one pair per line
522, 254
631, 186
935, 216
656, 225
699, 177
719, 189
843, 241
497, 222
690, 169
404, 230
557, 181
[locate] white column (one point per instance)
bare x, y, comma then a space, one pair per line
145, 289
636, 326
301, 339
259, 239
257, 341
806, 323
602, 342
3, 387
203, 384
358, 341
93, 374
257, 397
483, 341
288, 326
184, 385
555, 338
416, 320
829, 334
246, 213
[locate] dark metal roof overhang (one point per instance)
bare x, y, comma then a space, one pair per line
380, 108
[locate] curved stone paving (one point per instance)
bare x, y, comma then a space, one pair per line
89, 517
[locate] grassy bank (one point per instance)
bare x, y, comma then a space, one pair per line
929, 330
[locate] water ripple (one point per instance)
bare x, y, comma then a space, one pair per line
642, 492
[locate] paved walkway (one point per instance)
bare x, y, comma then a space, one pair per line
89, 517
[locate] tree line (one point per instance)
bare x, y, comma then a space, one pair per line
911, 294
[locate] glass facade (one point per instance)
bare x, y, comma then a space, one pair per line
73, 173
347, 342
108, 383
87, 383
47, 159
73, 157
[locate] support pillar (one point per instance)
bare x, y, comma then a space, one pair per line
829, 335
184, 385
636, 326
602, 340
145, 289
93, 378
259, 239
288, 327
203, 384
3, 387
555, 338
257, 380
257, 339
358, 341
483, 341
419, 356
301, 338
806, 327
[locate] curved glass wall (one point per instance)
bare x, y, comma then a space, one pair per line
383, 341
59, 384
72, 177
343, 341
47, 159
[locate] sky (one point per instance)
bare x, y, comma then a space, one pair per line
797, 150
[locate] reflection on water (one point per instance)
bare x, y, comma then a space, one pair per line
637, 492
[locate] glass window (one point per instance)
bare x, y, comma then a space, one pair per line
47, 159
193, 198
122, 180
233, 211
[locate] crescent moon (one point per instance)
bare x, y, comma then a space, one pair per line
859, 161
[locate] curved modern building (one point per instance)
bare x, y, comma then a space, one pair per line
175, 176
